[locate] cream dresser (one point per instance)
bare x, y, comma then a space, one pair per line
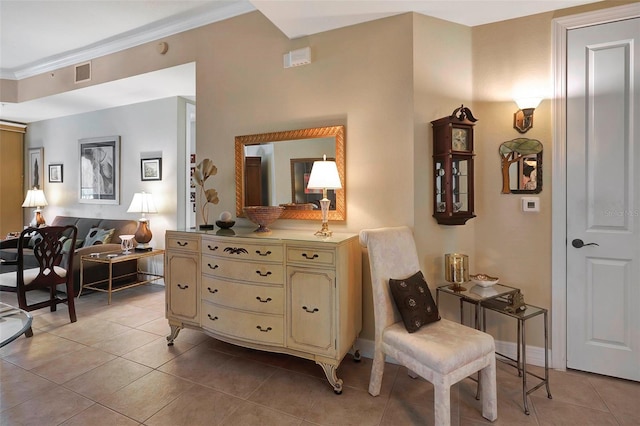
287, 292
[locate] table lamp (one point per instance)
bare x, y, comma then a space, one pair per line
35, 198
324, 175
142, 203
456, 270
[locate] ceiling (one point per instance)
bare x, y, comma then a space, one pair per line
41, 36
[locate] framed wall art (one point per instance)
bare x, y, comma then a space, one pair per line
55, 173
100, 170
151, 169
36, 168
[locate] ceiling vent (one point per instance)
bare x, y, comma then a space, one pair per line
83, 72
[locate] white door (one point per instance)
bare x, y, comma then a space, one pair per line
603, 199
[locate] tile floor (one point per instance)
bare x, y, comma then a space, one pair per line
113, 367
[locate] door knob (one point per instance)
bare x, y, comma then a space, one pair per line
578, 243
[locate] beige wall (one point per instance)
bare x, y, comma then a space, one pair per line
386, 81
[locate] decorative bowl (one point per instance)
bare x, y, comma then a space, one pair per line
484, 280
263, 216
225, 224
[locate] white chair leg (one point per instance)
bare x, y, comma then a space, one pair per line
442, 405
489, 391
377, 369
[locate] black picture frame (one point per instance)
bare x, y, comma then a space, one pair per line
56, 173
151, 169
99, 170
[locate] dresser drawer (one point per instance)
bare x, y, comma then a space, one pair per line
257, 272
179, 242
311, 256
236, 249
249, 297
259, 328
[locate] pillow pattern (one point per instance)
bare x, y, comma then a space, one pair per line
34, 240
414, 301
97, 235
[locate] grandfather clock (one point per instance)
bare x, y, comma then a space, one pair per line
453, 167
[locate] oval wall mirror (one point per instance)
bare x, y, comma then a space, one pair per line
272, 169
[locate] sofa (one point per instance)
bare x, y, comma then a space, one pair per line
92, 271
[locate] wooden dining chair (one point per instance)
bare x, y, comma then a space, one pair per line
54, 268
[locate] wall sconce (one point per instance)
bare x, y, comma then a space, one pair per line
523, 118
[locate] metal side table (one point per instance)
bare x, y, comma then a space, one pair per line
521, 358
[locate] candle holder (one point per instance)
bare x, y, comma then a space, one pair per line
126, 243
456, 270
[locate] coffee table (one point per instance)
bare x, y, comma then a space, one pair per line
13, 323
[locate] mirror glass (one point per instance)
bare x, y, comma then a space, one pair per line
521, 166
272, 169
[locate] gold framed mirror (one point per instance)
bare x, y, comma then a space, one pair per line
263, 171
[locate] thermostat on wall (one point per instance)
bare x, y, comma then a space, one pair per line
530, 204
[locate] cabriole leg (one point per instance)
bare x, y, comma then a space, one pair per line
175, 329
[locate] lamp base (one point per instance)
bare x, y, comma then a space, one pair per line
143, 247
457, 287
38, 219
324, 231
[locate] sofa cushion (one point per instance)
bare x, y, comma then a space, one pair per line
414, 301
96, 235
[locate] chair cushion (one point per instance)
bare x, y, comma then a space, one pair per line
443, 345
98, 235
414, 301
9, 279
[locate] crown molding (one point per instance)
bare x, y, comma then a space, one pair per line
193, 18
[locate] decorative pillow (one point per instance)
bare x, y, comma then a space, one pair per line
414, 301
97, 235
34, 240
66, 247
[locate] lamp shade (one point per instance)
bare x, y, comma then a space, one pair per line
142, 203
35, 198
324, 175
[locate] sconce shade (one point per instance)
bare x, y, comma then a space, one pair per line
324, 175
523, 118
143, 203
35, 198
526, 103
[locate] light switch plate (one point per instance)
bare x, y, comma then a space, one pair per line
530, 204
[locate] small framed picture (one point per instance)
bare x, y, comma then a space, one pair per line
193, 159
55, 173
151, 169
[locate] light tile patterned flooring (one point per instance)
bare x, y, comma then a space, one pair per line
113, 367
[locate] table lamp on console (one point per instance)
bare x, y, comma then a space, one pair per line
142, 203
324, 176
35, 198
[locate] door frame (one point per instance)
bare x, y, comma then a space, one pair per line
560, 27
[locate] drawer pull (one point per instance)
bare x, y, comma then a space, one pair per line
266, 274
214, 291
212, 318
235, 250
182, 244
212, 267
311, 311
306, 256
260, 253
264, 330
268, 299
212, 248
183, 287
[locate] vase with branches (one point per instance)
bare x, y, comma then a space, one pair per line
203, 171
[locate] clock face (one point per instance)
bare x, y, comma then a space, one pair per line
460, 141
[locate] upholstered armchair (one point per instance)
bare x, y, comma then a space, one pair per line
442, 352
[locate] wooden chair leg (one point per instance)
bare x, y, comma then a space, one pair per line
71, 303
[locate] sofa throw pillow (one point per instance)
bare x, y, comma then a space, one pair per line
97, 235
66, 247
34, 240
414, 301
